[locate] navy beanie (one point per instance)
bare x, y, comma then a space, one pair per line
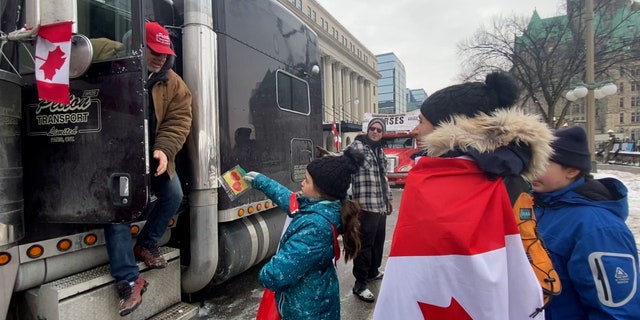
500, 90
332, 174
571, 148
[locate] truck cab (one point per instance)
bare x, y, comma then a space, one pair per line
398, 148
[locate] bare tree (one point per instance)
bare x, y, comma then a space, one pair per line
548, 56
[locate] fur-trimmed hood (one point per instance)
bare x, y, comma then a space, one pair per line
485, 134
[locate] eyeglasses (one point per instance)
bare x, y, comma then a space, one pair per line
156, 54
378, 130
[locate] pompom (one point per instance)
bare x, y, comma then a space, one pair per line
356, 157
505, 88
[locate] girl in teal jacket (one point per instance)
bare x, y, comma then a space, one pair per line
302, 273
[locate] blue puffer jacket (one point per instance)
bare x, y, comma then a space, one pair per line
592, 250
302, 272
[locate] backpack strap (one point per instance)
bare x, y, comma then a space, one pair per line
336, 245
534, 247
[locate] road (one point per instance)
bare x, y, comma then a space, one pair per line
238, 298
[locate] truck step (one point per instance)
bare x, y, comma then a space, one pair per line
92, 294
178, 311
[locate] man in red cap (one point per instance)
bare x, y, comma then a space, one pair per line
169, 125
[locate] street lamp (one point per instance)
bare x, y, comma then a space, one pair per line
590, 89
600, 90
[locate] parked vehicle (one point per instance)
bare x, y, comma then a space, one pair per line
66, 170
398, 148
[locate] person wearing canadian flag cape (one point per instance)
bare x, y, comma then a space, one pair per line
456, 251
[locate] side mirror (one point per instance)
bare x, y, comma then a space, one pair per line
81, 55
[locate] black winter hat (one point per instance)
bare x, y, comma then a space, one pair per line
332, 174
500, 90
571, 148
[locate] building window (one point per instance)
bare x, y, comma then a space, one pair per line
635, 86
309, 12
622, 102
621, 117
635, 117
313, 15
635, 101
300, 4
621, 87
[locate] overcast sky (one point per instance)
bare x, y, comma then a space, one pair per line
424, 34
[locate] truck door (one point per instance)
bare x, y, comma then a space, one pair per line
87, 162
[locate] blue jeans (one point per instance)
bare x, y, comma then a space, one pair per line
118, 236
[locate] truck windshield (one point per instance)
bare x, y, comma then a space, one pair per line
401, 142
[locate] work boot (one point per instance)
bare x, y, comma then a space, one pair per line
130, 297
150, 255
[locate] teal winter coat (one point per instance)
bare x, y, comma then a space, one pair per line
302, 273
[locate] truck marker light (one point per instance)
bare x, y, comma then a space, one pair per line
240, 212
90, 239
250, 209
172, 222
259, 206
135, 229
35, 251
5, 258
267, 204
64, 245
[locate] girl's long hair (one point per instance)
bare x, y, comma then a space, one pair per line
349, 213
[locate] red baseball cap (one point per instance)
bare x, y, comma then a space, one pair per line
158, 38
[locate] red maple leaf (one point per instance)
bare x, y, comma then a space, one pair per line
453, 311
53, 63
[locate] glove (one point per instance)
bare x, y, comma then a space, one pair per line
250, 176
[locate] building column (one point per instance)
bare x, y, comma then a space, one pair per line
367, 96
348, 96
338, 101
355, 95
363, 100
328, 88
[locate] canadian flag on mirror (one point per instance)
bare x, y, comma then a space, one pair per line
53, 50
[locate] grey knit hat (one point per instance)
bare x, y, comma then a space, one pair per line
378, 121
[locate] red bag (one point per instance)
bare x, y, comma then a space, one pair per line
268, 309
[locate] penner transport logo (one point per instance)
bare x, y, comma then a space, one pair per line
61, 123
